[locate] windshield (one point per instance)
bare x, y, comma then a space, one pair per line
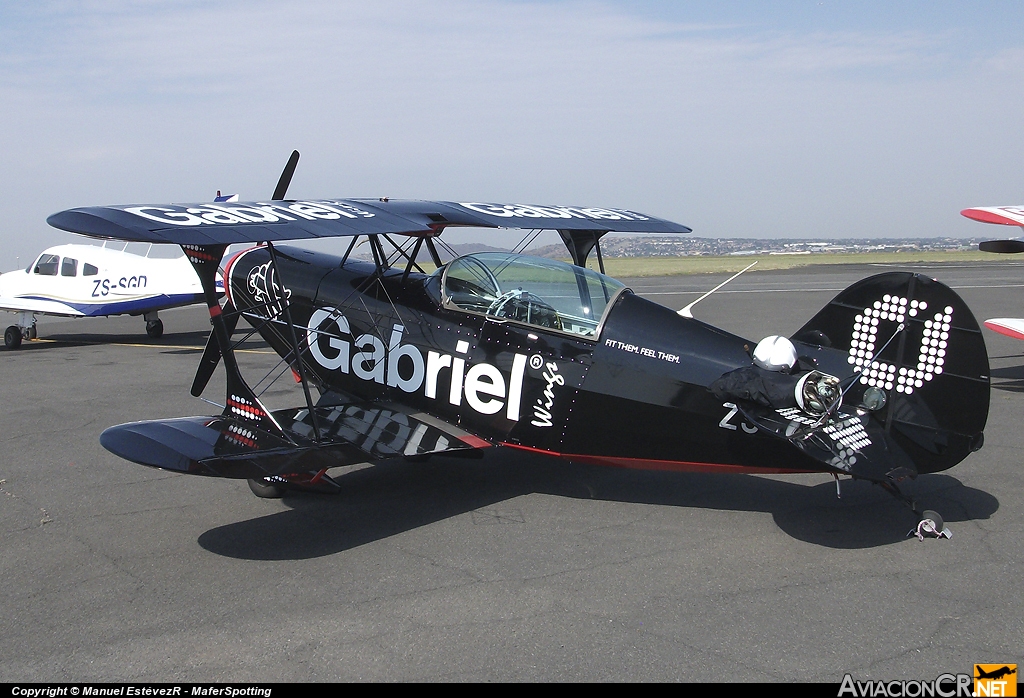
536, 291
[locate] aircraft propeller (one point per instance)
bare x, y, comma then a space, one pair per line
212, 354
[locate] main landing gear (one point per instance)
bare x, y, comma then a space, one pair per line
275, 486
25, 329
265, 488
154, 325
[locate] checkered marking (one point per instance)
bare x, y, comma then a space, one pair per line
245, 408
847, 434
241, 436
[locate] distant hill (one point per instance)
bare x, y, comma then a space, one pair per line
687, 245
646, 246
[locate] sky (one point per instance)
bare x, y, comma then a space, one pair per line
822, 119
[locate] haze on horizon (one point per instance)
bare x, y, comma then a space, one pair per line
794, 119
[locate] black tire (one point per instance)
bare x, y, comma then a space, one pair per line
934, 516
12, 337
155, 329
265, 490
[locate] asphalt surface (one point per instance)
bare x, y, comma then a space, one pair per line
509, 568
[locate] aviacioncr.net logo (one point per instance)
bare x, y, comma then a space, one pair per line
945, 686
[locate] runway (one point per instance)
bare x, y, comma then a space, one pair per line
510, 568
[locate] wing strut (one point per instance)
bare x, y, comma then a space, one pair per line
296, 350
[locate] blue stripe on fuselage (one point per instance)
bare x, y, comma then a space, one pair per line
132, 307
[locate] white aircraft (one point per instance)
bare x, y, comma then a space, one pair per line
92, 281
1001, 215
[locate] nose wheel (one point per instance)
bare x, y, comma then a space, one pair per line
155, 329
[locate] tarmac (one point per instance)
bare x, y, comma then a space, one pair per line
510, 568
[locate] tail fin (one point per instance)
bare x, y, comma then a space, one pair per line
916, 340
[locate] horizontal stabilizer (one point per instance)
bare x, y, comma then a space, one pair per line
849, 442
233, 448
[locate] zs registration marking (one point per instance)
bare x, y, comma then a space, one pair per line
103, 287
726, 422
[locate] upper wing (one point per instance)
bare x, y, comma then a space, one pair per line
263, 221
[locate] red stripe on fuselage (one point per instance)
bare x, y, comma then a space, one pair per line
474, 441
669, 465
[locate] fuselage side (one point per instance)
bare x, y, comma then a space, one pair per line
628, 388
91, 281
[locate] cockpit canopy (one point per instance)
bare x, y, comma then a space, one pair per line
532, 290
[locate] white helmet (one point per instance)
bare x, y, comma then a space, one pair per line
775, 353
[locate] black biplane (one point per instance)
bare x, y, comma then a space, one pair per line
505, 350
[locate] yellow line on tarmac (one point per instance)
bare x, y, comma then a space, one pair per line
147, 346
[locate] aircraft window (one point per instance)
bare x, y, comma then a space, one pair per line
532, 290
69, 267
89, 270
174, 251
46, 265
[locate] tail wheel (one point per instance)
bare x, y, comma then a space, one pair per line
265, 490
12, 337
934, 516
155, 329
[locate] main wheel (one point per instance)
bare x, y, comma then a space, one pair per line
12, 337
265, 490
155, 329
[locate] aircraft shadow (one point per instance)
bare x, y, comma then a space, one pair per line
397, 496
1012, 378
172, 343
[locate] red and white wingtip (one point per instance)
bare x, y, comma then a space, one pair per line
1002, 215
1010, 326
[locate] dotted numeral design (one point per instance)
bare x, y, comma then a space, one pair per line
889, 376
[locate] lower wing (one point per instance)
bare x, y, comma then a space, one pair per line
233, 447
